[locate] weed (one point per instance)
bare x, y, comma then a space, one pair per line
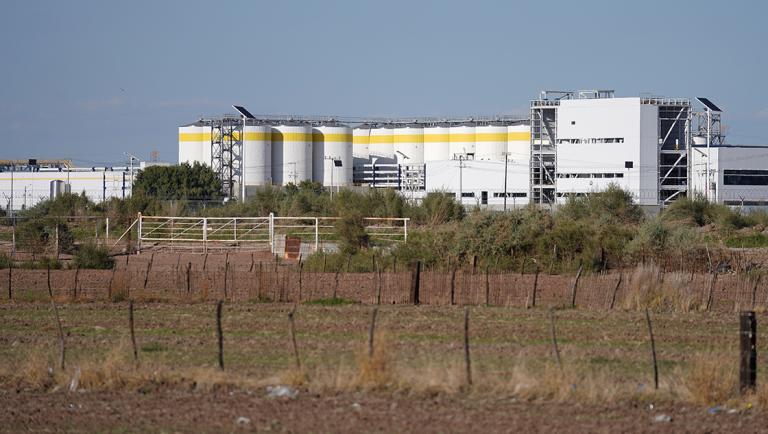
710, 379
331, 302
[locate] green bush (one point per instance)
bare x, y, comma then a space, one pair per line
747, 241
93, 256
351, 230
5, 261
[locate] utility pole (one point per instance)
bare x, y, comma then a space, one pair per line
461, 184
10, 207
132, 157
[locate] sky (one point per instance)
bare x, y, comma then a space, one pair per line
92, 80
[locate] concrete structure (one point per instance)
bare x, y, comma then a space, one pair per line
479, 182
291, 153
738, 174
332, 154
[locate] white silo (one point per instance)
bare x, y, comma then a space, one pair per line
193, 139
519, 143
409, 144
257, 154
291, 153
490, 142
332, 141
381, 145
436, 143
462, 140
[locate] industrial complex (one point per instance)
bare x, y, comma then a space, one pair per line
570, 143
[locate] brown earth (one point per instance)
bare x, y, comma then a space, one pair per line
219, 412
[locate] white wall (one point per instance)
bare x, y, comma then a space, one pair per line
479, 176
33, 187
729, 157
625, 118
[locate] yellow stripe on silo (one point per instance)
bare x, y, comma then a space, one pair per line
386, 139
257, 136
524, 136
461, 137
194, 137
291, 137
332, 138
491, 137
361, 140
436, 138
408, 138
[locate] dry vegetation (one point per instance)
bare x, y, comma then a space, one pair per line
417, 352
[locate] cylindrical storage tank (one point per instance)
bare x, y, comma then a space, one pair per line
291, 153
361, 137
332, 142
409, 145
490, 142
462, 140
58, 188
436, 143
382, 145
519, 142
194, 139
257, 154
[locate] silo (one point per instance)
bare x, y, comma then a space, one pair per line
332, 141
436, 143
194, 139
382, 145
490, 142
409, 144
291, 153
257, 153
519, 142
361, 137
462, 140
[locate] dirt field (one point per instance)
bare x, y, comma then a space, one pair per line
606, 382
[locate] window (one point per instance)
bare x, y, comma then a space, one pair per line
592, 140
590, 175
573, 122
468, 194
510, 194
745, 177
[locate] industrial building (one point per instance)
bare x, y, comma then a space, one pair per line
24, 183
571, 143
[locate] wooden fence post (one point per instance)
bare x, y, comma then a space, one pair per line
74, 288
474, 264
535, 287
748, 353
754, 290
710, 294
378, 283
301, 269
615, 291
293, 337
553, 336
487, 287
220, 334
415, 282
371, 332
189, 270
62, 348
10, 280
133, 334
467, 359
149, 268
453, 285
226, 273
653, 350
575, 285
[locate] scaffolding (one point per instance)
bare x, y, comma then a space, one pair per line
227, 152
674, 146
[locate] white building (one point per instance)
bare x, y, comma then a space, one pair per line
479, 182
738, 174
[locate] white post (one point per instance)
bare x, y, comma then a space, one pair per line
242, 163
709, 134
106, 232
138, 241
205, 235
405, 230
317, 234
272, 233
234, 222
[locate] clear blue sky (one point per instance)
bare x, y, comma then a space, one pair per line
91, 80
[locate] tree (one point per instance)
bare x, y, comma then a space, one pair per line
197, 182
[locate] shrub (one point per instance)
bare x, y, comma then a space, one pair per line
93, 256
5, 261
352, 232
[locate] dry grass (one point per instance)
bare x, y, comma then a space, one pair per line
648, 288
711, 379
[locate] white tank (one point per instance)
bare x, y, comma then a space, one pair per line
436, 143
193, 140
381, 145
257, 154
519, 143
332, 142
462, 140
361, 137
490, 142
291, 153
409, 145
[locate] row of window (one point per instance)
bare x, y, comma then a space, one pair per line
590, 175
592, 140
472, 194
745, 177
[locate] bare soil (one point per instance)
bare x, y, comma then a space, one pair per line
220, 412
